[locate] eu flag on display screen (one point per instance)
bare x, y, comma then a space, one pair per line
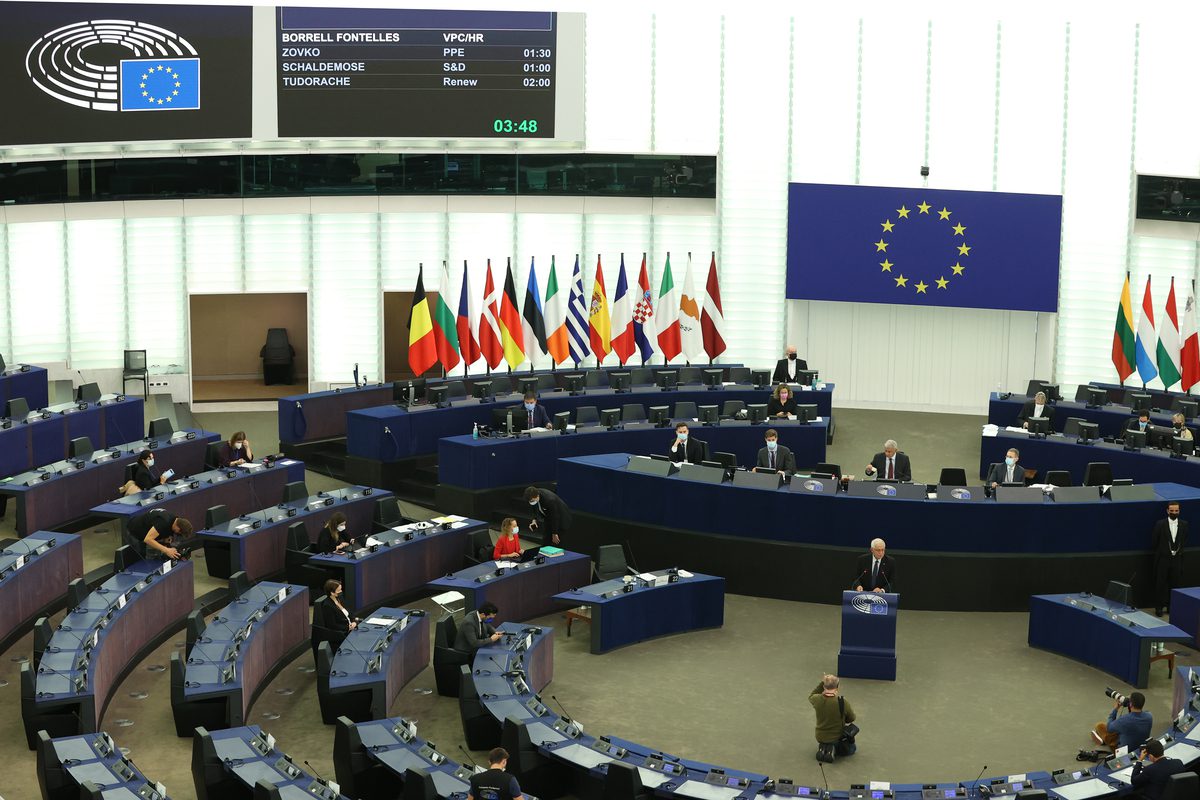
876, 244
160, 84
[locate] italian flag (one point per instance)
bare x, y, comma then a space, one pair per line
1168, 343
666, 315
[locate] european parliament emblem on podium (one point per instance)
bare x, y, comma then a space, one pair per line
868, 635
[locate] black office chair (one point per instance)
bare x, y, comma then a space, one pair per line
278, 358
641, 376
623, 782
80, 447
135, 370
447, 660
123, 557
418, 784
1181, 786
1071, 426
53, 778
587, 415
732, 408
3, 366
610, 562
387, 513
1059, 477
953, 476
212, 455
160, 428
296, 567
17, 408
239, 584
689, 375
829, 469
1032, 794
596, 378
293, 491
215, 515
1097, 473
479, 547
633, 412
1034, 386
685, 409
42, 632
481, 730
547, 382
536, 773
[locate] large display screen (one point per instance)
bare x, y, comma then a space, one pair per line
412, 73
84, 72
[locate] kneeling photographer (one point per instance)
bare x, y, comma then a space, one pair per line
1124, 730
835, 720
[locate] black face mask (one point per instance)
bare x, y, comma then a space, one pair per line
1172, 515
791, 356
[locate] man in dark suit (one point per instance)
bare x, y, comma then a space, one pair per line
551, 516
1139, 423
1150, 779
788, 368
476, 629
891, 464
876, 570
1008, 472
1167, 542
1035, 408
776, 456
684, 448
530, 415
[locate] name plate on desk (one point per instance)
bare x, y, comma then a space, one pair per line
699, 472
813, 485
652, 466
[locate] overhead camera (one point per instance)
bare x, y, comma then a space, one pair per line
924, 171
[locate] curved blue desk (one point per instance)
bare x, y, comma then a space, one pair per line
357, 688
690, 602
25, 380
951, 554
44, 438
521, 592
371, 759
247, 757
1003, 411
1059, 451
92, 762
33, 575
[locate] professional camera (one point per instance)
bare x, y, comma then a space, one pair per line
1121, 699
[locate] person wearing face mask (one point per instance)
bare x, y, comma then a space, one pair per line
775, 456
1179, 423
684, 448
1167, 542
782, 402
144, 476
235, 452
1008, 472
509, 543
477, 629
789, 367
530, 415
1035, 409
333, 538
331, 617
1139, 423
551, 516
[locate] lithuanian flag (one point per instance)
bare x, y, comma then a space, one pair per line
422, 350
1123, 347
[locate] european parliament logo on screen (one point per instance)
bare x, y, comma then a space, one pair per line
162, 74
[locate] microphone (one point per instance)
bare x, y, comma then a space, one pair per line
823, 778
855, 582
975, 783
505, 672
468, 755
560, 706
314, 772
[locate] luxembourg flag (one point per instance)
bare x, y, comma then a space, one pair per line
1145, 345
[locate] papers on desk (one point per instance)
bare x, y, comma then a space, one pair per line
683, 573
990, 429
1083, 790
1015, 429
506, 564
1123, 775
881, 786
448, 518
540, 431
372, 541
287, 462
707, 791
382, 621
1187, 753
652, 779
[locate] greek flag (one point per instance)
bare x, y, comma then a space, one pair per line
577, 317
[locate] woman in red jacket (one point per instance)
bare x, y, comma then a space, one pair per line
509, 544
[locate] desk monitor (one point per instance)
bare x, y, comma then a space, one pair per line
1160, 436
1039, 426
1053, 395
1119, 592
1089, 432
482, 389
527, 383
761, 378
709, 415
573, 383
701, 473
500, 419
659, 416
1096, 397
561, 420
727, 460
666, 379
436, 395
758, 412
660, 457
1189, 408
1182, 448
1136, 440
806, 412
1139, 401
713, 377
807, 377
408, 391
620, 381
610, 417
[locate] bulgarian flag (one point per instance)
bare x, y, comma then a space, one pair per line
1189, 356
666, 315
445, 325
1146, 343
1168, 343
1122, 349
422, 351
557, 339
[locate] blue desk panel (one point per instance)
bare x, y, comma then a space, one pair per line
492, 463
322, 415
1185, 611
1058, 451
33, 575
96, 759
1109, 636
620, 618
401, 638
32, 384
37, 441
1111, 418
391, 433
248, 756
522, 592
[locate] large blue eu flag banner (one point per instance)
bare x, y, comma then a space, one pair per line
876, 244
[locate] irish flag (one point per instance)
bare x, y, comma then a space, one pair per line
1189, 355
666, 315
1145, 345
557, 339
1168, 343
1122, 349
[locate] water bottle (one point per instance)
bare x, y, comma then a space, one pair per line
475, 431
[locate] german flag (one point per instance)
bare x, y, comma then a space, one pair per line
422, 349
511, 335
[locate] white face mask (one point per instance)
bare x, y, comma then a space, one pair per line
150, 462
237, 445
534, 502
1010, 461
514, 531
772, 444
341, 528
682, 437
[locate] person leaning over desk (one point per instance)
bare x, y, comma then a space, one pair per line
782, 402
476, 629
143, 475
156, 531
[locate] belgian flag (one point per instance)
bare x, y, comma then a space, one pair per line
422, 348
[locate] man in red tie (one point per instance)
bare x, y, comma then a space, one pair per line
890, 465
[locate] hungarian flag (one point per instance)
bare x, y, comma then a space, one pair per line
1189, 355
1122, 349
643, 315
1168, 343
468, 345
712, 318
599, 325
623, 343
1145, 345
577, 317
535, 320
445, 332
666, 315
556, 318
511, 335
422, 350
689, 318
489, 323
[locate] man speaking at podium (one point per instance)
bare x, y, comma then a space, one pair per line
876, 570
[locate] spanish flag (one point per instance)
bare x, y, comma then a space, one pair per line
511, 335
599, 323
422, 350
